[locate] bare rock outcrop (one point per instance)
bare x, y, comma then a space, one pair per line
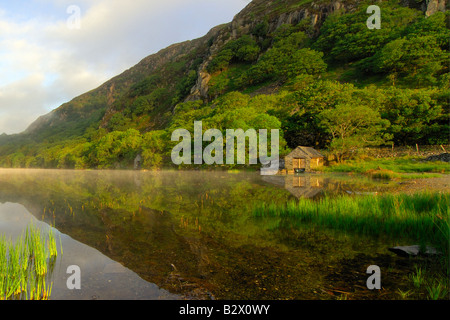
245, 21
434, 6
440, 157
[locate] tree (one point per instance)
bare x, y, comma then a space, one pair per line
411, 113
153, 148
418, 59
261, 29
117, 147
346, 38
244, 49
221, 61
303, 61
353, 126
184, 86
141, 105
118, 121
434, 25
283, 63
218, 85
248, 53
304, 129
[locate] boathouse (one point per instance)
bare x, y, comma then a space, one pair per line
302, 159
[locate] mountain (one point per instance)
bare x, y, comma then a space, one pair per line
162, 70
169, 67
261, 52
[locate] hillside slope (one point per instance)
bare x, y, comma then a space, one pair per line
168, 67
271, 51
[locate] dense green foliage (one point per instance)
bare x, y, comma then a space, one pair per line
345, 88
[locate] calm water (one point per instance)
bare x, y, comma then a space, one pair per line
191, 235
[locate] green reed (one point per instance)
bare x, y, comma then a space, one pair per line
422, 217
26, 266
418, 278
435, 285
437, 290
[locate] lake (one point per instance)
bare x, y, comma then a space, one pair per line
192, 235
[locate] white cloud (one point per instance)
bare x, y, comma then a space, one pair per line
21, 101
44, 63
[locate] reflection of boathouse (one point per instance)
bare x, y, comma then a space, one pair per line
306, 186
302, 159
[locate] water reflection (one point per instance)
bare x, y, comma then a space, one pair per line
311, 185
141, 235
101, 277
300, 186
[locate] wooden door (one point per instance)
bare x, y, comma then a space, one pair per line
298, 163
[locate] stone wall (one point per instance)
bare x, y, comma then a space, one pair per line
400, 151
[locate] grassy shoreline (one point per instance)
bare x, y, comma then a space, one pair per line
422, 217
398, 165
403, 168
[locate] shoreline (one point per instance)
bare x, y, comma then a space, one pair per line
441, 184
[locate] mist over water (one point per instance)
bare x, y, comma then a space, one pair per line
181, 234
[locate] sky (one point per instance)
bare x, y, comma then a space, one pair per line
51, 51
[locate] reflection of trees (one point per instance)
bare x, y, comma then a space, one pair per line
188, 232
141, 227
315, 185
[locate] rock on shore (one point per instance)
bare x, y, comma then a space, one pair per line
440, 157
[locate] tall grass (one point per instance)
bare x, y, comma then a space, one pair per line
396, 165
422, 217
435, 285
418, 278
26, 265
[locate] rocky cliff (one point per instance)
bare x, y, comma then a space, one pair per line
277, 13
97, 107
